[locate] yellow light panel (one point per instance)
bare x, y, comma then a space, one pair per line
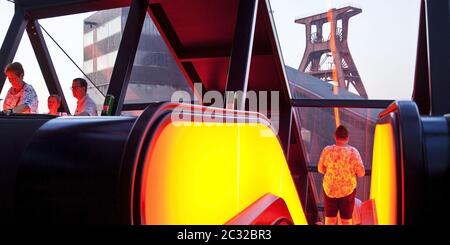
383, 188
206, 173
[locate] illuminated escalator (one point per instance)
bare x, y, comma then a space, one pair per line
175, 164
410, 172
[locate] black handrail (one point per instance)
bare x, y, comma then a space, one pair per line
347, 103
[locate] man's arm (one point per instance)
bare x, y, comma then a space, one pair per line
321, 165
90, 108
359, 166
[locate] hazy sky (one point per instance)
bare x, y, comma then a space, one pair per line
382, 41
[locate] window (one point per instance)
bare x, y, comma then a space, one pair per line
106, 61
109, 28
88, 38
88, 66
149, 27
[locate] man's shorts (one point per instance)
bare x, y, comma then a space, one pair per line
342, 204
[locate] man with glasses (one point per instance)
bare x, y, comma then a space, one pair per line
85, 105
21, 97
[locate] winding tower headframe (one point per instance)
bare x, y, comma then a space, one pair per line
328, 57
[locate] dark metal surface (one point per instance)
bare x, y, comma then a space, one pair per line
412, 157
421, 91
69, 172
11, 42
38, 9
436, 140
134, 107
438, 18
13, 143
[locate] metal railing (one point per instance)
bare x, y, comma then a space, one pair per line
372, 104
314, 38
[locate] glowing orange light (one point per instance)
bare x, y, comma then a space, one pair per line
330, 18
383, 188
208, 172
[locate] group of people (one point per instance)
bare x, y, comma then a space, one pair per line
22, 98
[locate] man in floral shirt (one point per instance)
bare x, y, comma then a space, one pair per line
341, 164
21, 97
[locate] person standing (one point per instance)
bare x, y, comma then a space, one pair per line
85, 105
341, 164
21, 97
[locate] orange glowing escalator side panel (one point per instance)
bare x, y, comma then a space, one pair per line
383, 188
208, 172
268, 210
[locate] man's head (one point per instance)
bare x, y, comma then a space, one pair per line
79, 88
15, 73
53, 102
341, 135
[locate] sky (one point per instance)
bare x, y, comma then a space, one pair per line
382, 41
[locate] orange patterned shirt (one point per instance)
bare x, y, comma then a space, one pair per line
340, 165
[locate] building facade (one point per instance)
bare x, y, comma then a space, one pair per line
155, 74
